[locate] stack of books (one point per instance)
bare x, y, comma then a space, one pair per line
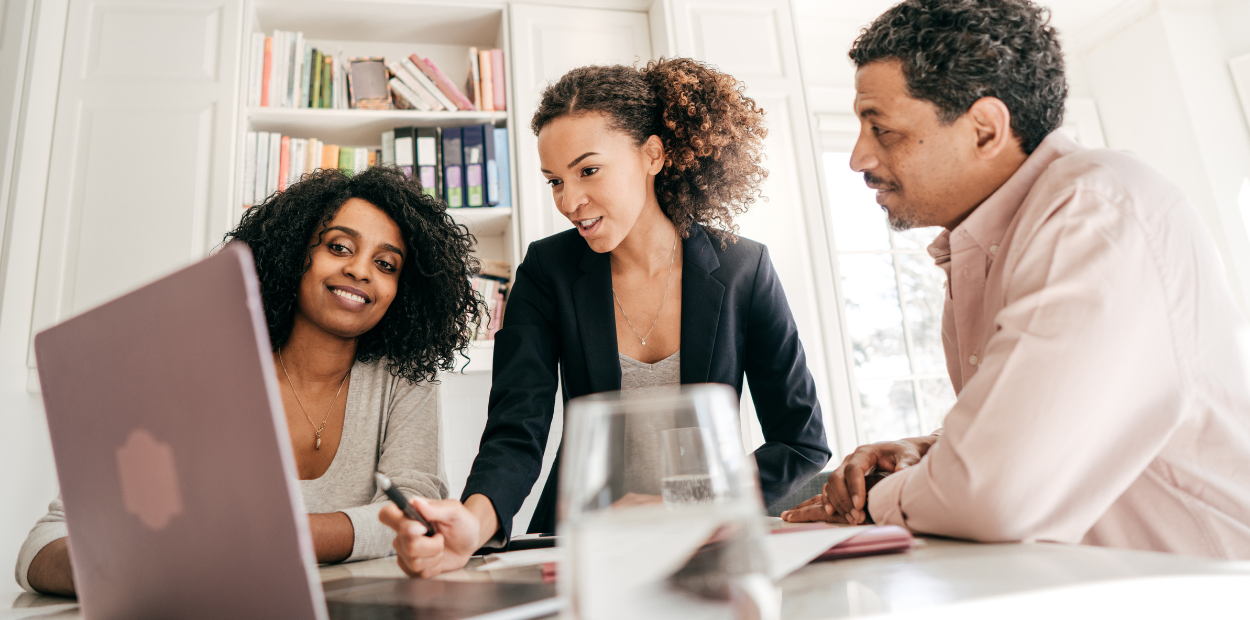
287, 72
464, 166
272, 161
492, 285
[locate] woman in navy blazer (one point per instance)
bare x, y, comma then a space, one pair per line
650, 165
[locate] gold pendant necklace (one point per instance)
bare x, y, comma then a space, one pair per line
672, 254
316, 428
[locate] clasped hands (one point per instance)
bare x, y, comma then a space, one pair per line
844, 498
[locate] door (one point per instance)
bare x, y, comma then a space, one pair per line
139, 181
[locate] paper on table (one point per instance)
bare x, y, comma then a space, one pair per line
791, 551
515, 559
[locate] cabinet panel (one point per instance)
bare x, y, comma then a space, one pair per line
547, 42
138, 182
754, 41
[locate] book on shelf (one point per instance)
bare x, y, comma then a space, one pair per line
490, 181
419, 76
426, 160
473, 82
453, 167
474, 193
492, 283
499, 95
503, 161
388, 148
266, 71
405, 98
403, 150
444, 83
486, 81
421, 97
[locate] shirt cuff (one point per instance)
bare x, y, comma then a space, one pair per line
885, 499
372, 539
40, 537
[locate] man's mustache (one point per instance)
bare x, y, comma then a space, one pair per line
877, 182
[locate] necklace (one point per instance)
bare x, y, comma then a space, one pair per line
316, 428
671, 255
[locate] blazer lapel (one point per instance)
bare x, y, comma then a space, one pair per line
701, 297
596, 322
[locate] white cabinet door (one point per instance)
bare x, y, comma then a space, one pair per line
754, 41
547, 41
139, 182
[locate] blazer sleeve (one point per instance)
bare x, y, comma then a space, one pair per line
782, 390
522, 396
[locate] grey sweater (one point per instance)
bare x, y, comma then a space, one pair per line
391, 425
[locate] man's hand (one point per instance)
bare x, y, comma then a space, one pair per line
846, 493
449, 549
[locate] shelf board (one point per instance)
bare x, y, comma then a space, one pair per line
358, 127
484, 221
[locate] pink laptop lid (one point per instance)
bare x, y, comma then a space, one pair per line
172, 452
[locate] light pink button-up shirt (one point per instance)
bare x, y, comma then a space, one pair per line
1101, 367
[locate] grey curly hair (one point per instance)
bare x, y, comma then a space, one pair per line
954, 52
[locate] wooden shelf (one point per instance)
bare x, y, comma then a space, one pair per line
484, 221
358, 127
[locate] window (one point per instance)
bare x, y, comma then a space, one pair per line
892, 297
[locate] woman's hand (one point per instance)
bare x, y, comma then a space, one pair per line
457, 536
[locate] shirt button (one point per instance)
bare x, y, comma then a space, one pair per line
993, 249
972, 360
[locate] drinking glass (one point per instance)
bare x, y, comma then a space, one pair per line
660, 510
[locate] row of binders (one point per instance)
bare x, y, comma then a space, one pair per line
288, 72
463, 166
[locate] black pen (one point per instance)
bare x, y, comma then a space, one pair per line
402, 502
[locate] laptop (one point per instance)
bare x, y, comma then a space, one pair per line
177, 474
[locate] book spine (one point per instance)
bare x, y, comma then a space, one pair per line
413, 100
292, 77
388, 148
491, 182
438, 101
444, 84
502, 158
497, 75
249, 170
473, 164
260, 183
362, 159
487, 82
299, 151
314, 156
267, 73
284, 163
275, 158
347, 160
473, 83
305, 76
315, 101
256, 69
279, 61
329, 156
327, 81
403, 149
453, 172
426, 159
310, 155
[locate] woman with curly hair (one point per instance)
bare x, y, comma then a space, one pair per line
367, 294
650, 165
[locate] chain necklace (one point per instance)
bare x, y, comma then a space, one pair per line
671, 255
316, 428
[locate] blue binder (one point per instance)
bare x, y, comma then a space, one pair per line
504, 168
453, 167
474, 167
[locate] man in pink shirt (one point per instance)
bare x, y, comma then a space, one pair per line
1100, 362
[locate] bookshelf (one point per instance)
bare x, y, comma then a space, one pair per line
442, 31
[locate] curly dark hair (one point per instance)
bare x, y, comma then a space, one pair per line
954, 52
435, 305
713, 133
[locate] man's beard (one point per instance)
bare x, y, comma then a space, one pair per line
899, 223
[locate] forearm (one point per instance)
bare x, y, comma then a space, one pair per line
484, 510
333, 536
50, 572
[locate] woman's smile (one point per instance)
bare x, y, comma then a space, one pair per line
351, 298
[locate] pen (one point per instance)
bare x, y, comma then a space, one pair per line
402, 502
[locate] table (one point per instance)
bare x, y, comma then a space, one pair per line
939, 578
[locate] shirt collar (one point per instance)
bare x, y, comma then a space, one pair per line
987, 224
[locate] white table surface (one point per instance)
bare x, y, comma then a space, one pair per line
940, 578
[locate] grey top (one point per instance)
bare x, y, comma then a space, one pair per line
642, 433
391, 425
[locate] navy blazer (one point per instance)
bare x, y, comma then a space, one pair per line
560, 318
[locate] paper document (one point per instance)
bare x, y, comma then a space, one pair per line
791, 551
516, 559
